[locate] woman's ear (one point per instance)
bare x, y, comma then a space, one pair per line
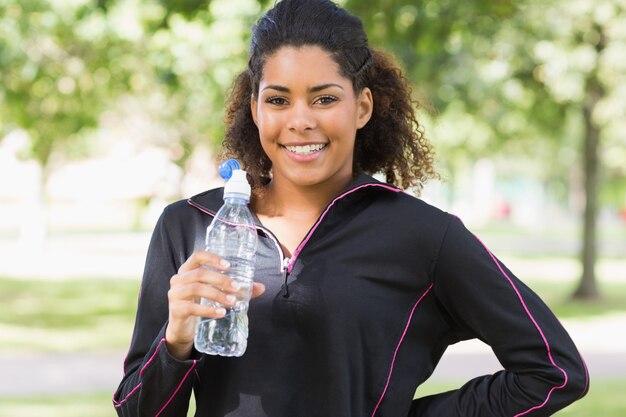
253, 108
365, 107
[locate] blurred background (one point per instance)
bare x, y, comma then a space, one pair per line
111, 109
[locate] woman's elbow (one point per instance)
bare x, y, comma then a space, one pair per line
577, 380
566, 381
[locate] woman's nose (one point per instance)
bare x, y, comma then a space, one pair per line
301, 118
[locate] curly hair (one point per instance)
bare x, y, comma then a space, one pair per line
391, 143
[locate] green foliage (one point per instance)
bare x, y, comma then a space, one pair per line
194, 59
56, 73
64, 64
507, 77
187, 8
459, 56
491, 68
504, 77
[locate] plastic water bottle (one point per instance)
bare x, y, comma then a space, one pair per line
232, 235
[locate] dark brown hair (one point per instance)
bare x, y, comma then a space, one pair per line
391, 143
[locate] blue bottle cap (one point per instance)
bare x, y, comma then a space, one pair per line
227, 167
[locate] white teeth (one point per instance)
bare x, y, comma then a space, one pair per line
306, 149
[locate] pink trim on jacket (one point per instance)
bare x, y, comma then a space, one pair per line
295, 254
532, 318
395, 353
177, 388
118, 404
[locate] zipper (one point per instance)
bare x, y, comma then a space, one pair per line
285, 272
286, 263
284, 260
296, 253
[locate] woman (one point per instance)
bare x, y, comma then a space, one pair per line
359, 287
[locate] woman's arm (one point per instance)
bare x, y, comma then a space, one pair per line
161, 365
543, 371
155, 383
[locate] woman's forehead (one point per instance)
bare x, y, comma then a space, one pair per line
306, 63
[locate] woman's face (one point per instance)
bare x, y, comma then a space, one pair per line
307, 114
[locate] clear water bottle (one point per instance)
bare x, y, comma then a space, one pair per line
232, 235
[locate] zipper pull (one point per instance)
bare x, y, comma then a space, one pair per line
285, 270
285, 264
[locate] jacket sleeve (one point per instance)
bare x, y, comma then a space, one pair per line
154, 382
543, 371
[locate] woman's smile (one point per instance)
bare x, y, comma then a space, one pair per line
305, 149
305, 153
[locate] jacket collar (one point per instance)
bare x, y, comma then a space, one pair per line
210, 201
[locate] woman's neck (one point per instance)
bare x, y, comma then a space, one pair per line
284, 199
289, 211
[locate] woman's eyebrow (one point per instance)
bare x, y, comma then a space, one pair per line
276, 87
321, 87
313, 89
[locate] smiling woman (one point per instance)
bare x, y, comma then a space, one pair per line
359, 287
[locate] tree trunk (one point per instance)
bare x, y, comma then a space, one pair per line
588, 287
33, 221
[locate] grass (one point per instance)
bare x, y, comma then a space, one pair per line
92, 405
82, 405
504, 228
98, 314
558, 296
68, 315
605, 398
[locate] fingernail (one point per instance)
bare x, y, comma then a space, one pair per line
235, 285
231, 298
220, 311
224, 263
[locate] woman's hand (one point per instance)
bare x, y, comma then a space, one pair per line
192, 282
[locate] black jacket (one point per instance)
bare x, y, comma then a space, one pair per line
354, 321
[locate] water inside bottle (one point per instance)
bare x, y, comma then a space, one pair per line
228, 336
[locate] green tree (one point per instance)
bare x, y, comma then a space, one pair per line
194, 49
568, 59
580, 64
61, 64
526, 77
65, 63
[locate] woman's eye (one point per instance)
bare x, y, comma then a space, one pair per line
276, 100
326, 99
